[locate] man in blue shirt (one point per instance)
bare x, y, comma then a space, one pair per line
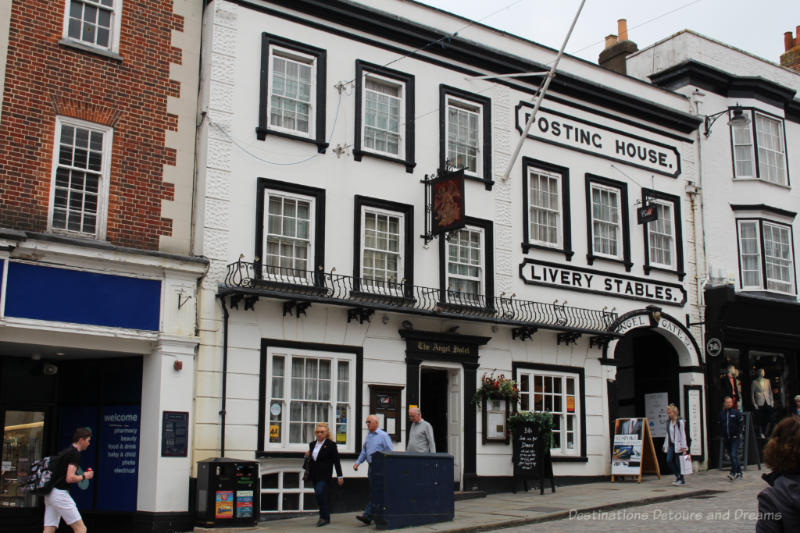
377, 441
731, 422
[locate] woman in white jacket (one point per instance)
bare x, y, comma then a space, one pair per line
675, 443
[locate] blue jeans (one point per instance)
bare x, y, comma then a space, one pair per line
322, 502
732, 445
674, 462
369, 509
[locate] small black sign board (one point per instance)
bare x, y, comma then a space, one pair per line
647, 213
531, 458
174, 434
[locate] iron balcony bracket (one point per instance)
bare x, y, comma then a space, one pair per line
298, 307
568, 337
523, 332
360, 313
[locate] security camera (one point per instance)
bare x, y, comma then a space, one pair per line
49, 369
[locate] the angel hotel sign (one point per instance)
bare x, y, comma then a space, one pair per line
586, 280
555, 127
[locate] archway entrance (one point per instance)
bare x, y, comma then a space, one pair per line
647, 380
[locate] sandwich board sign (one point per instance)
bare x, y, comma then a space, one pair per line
633, 453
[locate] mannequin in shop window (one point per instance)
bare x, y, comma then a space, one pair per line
731, 386
761, 392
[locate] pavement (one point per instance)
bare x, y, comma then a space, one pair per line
598, 506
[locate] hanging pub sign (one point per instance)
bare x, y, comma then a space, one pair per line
647, 213
447, 192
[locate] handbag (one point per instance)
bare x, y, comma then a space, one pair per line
307, 469
686, 464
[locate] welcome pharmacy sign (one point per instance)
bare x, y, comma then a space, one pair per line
559, 128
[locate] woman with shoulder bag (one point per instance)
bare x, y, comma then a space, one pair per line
675, 443
321, 457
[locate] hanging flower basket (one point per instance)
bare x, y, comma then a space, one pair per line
496, 388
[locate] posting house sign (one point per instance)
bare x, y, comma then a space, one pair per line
561, 129
535, 272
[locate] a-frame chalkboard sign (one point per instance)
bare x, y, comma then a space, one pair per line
531, 457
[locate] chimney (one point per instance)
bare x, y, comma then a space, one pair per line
791, 57
617, 49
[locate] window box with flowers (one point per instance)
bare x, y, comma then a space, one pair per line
496, 396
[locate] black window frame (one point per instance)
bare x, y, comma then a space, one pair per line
488, 261
400, 77
317, 262
582, 456
486, 130
760, 221
263, 129
626, 230
566, 223
358, 352
678, 236
407, 210
754, 136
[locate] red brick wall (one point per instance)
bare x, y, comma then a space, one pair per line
45, 79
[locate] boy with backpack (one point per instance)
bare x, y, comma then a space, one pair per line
58, 503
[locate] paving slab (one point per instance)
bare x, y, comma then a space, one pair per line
509, 510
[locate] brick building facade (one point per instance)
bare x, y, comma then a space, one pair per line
97, 285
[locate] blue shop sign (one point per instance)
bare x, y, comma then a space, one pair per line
46, 293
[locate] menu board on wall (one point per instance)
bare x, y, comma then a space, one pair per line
655, 410
118, 462
174, 434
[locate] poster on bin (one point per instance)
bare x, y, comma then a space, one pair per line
244, 504
626, 456
224, 504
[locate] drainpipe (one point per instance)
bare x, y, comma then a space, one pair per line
222, 413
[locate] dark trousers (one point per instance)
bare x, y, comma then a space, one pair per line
319, 491
732, 445
674, 462
369, 509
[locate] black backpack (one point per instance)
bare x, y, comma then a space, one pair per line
41, 478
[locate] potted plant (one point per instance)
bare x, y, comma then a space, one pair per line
541, 421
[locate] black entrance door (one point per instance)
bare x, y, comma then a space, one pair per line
647, 364
433, 403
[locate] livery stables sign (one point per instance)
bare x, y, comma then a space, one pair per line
558, 128
583, 279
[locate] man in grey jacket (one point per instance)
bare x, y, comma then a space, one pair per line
420, 434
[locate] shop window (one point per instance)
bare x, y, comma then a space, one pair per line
305, 388
766, 256
558, 392
293, 91
546, 218
23, 442
759, 148
384, 114
465, 133
79, 187
94, 23
607, 220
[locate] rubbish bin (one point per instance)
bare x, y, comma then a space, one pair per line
227, 492
412, 489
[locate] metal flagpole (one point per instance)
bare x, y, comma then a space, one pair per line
542, 91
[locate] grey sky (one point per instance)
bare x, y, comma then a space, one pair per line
756, 26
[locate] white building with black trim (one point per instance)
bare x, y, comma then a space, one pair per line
324, 302
748, 173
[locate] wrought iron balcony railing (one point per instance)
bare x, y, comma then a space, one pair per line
330, 287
